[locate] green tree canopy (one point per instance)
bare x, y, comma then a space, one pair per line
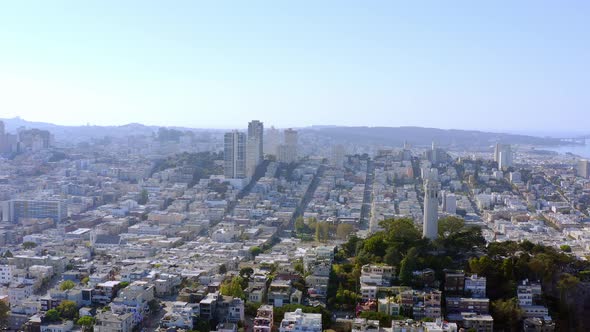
29, 245
4, 310
234, 288
52, 315
68, 309
68, 284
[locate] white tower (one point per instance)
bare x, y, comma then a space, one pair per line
430, 224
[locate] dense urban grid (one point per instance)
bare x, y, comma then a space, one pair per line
289, 230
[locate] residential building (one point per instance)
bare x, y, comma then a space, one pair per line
378, 275
235, 155
475, 286
583, 169
264, 319
254, 148
17, 209
107, 321
479, 323
463, 304
298, 321
538, 325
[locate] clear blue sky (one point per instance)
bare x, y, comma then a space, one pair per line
499, 65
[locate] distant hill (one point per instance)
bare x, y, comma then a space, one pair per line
346, 135
419, 136
85, 133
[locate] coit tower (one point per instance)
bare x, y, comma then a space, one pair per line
430, 225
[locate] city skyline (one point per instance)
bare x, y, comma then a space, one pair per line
498, 67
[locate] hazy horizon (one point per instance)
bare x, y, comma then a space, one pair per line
503, 66
243, 127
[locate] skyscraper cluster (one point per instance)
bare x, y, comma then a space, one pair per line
503, 156
243, 152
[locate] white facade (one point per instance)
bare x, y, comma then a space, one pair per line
5, 274
298, 321
503, 155
235, 155
430, 225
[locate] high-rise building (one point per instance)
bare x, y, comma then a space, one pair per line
503, 156
17, 209
235, 155
430, 224
291, 137
272, 139
287, 153
584, 168
338, 156
254, 148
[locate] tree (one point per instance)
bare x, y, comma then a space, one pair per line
68, 309
343, 231
251, 308
52, 315
255, 251
123, 284
234, 288
68, 284
4, 309
507, 314
449, 225
322, 230
143, 197
29, 245
222, 269
246, 272
565, 248
298, 267
86, 322
407, 267
300, 226
85, 280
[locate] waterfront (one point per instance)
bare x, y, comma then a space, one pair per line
580, 150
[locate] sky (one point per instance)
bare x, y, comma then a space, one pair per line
515, 66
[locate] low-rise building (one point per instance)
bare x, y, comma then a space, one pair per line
298, 321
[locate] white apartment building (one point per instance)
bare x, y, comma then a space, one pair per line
298, 321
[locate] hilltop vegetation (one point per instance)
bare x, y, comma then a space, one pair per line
504, 264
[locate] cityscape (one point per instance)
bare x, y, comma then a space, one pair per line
265, 229
294, 166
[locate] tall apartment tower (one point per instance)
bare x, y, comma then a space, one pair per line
503, 155
234, 155
254, 148
272, 139
287, 152
430, 224
584, 168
